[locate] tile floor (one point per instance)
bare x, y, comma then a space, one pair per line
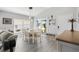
45, 45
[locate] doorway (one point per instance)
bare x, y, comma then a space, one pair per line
20, 24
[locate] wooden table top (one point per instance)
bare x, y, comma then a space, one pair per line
69, 37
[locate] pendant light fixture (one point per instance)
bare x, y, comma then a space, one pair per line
30, 8
72, 21
31, 18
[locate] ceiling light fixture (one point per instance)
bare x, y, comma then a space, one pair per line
30, 8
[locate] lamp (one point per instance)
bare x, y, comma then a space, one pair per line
72, 21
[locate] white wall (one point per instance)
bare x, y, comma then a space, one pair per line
77, 18
62, 15
62, 22
9, 15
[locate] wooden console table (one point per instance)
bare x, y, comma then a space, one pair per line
68, 41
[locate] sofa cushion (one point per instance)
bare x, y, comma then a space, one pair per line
0, 34
0, 44
10, 42
12, 37
5, 35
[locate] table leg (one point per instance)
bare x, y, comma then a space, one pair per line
33, 38
59, 47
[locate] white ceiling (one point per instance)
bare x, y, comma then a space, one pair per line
24, 10
56, 11
39, 12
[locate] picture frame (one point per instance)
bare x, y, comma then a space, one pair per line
7, 20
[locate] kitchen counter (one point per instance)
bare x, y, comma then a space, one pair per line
68, 38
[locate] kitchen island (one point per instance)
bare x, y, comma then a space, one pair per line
68, 41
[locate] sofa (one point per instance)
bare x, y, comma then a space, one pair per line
8, 40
